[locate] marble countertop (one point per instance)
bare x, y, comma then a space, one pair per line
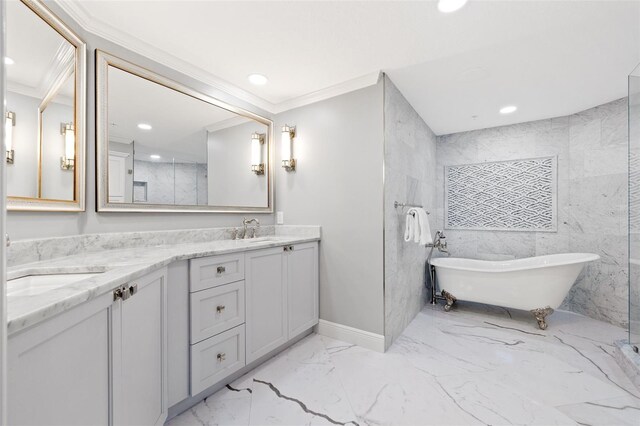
110, 268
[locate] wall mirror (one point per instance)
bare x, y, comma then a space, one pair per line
165, 147
45, 110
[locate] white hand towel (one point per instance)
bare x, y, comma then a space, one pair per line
409, 226
422, 220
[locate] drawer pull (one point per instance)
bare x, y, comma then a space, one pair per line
221, 357
221, 269
220, 308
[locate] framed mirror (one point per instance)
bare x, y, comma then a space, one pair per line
45, 110
164, 147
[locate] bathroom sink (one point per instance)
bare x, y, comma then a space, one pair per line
261, 240
32, 285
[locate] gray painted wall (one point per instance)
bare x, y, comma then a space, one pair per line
21, 224
409, 176
338, 184
592, 199
231, 181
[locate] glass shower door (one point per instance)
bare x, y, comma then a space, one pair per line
634, 207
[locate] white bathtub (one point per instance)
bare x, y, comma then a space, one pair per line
537, 284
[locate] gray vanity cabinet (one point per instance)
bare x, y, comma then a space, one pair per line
266, 301
282, 296
139, 340
58, 371
302, 287
103, 362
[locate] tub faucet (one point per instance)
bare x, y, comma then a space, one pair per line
440, 243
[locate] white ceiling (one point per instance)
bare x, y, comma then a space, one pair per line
549, 58
39, 58
179, 122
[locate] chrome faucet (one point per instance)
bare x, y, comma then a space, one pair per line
440, 243
246, 222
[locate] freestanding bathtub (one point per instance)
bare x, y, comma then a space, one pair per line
536, 284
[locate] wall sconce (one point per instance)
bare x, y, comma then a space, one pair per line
257, 141
68, 161
288, 134
9, 123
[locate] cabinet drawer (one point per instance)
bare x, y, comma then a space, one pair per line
208, 272
216, 310
215, 358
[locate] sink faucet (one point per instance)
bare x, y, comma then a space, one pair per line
246, 222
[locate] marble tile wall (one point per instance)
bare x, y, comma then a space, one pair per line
173, 183
410, 165
634, 209
27, 251
592, 199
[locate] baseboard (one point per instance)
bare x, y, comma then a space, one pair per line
355, 336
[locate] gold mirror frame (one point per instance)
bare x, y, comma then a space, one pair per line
80, 110
103, 62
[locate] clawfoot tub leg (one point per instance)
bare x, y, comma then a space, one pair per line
541, 315
450, 298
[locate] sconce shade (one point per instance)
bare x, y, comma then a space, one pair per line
69, 141
257, 165
9, 122
288, 162
68, 161
256, 151
286, 143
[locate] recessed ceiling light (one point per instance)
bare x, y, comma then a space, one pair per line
508, 109
448, 6
257, 79
144, 126
8, 61
154, 157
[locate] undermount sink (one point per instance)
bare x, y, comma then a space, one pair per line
260, 240
32, 285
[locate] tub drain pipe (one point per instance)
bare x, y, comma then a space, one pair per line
431, 270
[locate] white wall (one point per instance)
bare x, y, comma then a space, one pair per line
57, 184
231, 181
38, 225
338, 184
22, 175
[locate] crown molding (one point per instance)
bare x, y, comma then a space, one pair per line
102, 29
95, 26
329, 92
229, 122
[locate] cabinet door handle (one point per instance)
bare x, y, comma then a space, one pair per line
221, 269
133, 289
117, 294
220, 308
122, 293
221, 357
286, 248
290, 248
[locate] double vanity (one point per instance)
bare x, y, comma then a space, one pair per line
134, 328
138, 334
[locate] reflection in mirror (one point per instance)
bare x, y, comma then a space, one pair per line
45, 83
169, 148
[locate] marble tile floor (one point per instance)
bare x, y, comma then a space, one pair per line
473, 365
